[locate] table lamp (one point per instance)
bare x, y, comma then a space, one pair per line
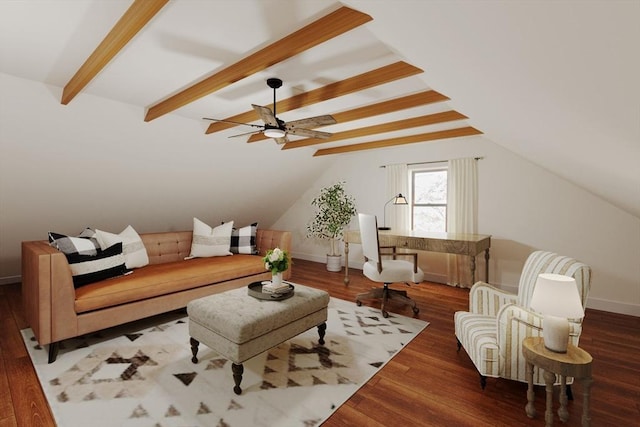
397, 200
556, 297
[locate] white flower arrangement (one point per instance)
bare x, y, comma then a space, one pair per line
276, 260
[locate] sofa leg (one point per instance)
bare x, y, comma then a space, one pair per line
53, 351
194, 349
483, 381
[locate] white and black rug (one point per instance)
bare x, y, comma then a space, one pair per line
142, 375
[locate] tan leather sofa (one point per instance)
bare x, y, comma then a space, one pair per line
56, 311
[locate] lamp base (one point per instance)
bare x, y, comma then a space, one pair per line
555, 333
384, 228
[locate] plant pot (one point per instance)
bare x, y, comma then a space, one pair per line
334, 262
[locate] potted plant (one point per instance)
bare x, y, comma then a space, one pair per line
334, 210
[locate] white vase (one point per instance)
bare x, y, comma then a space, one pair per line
334, 262
276, 279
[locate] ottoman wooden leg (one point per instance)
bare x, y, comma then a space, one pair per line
322, 328
237, 376
194, 349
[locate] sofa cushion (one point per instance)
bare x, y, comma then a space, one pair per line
166, 278
135, 254
208, 241
243, 240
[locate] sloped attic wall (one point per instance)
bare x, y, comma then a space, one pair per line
523, 207
96, 163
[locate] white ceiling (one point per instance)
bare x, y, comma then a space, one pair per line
556, 82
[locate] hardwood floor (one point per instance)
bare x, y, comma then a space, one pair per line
428, 383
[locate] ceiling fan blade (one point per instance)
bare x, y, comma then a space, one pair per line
282, 140
312, 122
266, 115
309, 133
235, 123
246, 133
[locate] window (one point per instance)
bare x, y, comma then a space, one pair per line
429, 199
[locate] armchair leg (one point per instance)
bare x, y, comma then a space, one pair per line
569, 392
483, 381
458, 343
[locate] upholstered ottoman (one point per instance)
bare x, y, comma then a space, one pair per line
239, 326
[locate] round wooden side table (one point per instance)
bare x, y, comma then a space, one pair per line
574, 363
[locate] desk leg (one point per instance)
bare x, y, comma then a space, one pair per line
562, 412
486, 264
346, 263
549, 379
586, 393
473, 269
531, 395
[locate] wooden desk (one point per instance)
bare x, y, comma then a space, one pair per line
450, 243
574, 363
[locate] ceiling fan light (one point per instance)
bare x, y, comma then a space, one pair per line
274, 133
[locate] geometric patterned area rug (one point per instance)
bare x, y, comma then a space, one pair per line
141, 374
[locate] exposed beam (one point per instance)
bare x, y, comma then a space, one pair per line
319, 31
397, 104
133, 20
423, 137
386, 74
426, 120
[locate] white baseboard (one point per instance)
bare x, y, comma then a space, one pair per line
10, 280
594, 303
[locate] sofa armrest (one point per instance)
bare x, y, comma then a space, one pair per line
47, 292
486, 299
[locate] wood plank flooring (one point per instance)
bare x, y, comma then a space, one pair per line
428, 383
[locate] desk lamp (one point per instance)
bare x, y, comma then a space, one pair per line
557, 298
397, 200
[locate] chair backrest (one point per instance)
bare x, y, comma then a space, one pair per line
548, 262
369, 237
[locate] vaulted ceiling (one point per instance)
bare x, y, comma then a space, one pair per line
554, 82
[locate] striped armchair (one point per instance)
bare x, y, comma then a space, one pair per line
492, 330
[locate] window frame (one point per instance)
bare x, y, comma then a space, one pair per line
413, 171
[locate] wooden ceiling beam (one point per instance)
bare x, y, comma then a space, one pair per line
319, 31
429, 119
410, 139
386, 74
133, 20
397, 104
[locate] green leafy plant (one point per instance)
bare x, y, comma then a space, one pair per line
334, 210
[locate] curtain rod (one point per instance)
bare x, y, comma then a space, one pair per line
433, 161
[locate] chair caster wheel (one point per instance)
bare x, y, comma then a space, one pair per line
358, 303
385, 314
416, 310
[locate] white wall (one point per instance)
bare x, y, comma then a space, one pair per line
522, 206
95, 162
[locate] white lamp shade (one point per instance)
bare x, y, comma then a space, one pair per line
557, 295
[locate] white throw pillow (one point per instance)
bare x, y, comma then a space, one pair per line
208, 242
135, 254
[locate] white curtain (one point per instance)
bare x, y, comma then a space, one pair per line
397, 216
462, 214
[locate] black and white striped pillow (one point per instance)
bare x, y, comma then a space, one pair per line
89, 265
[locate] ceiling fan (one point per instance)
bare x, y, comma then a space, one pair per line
278, 129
